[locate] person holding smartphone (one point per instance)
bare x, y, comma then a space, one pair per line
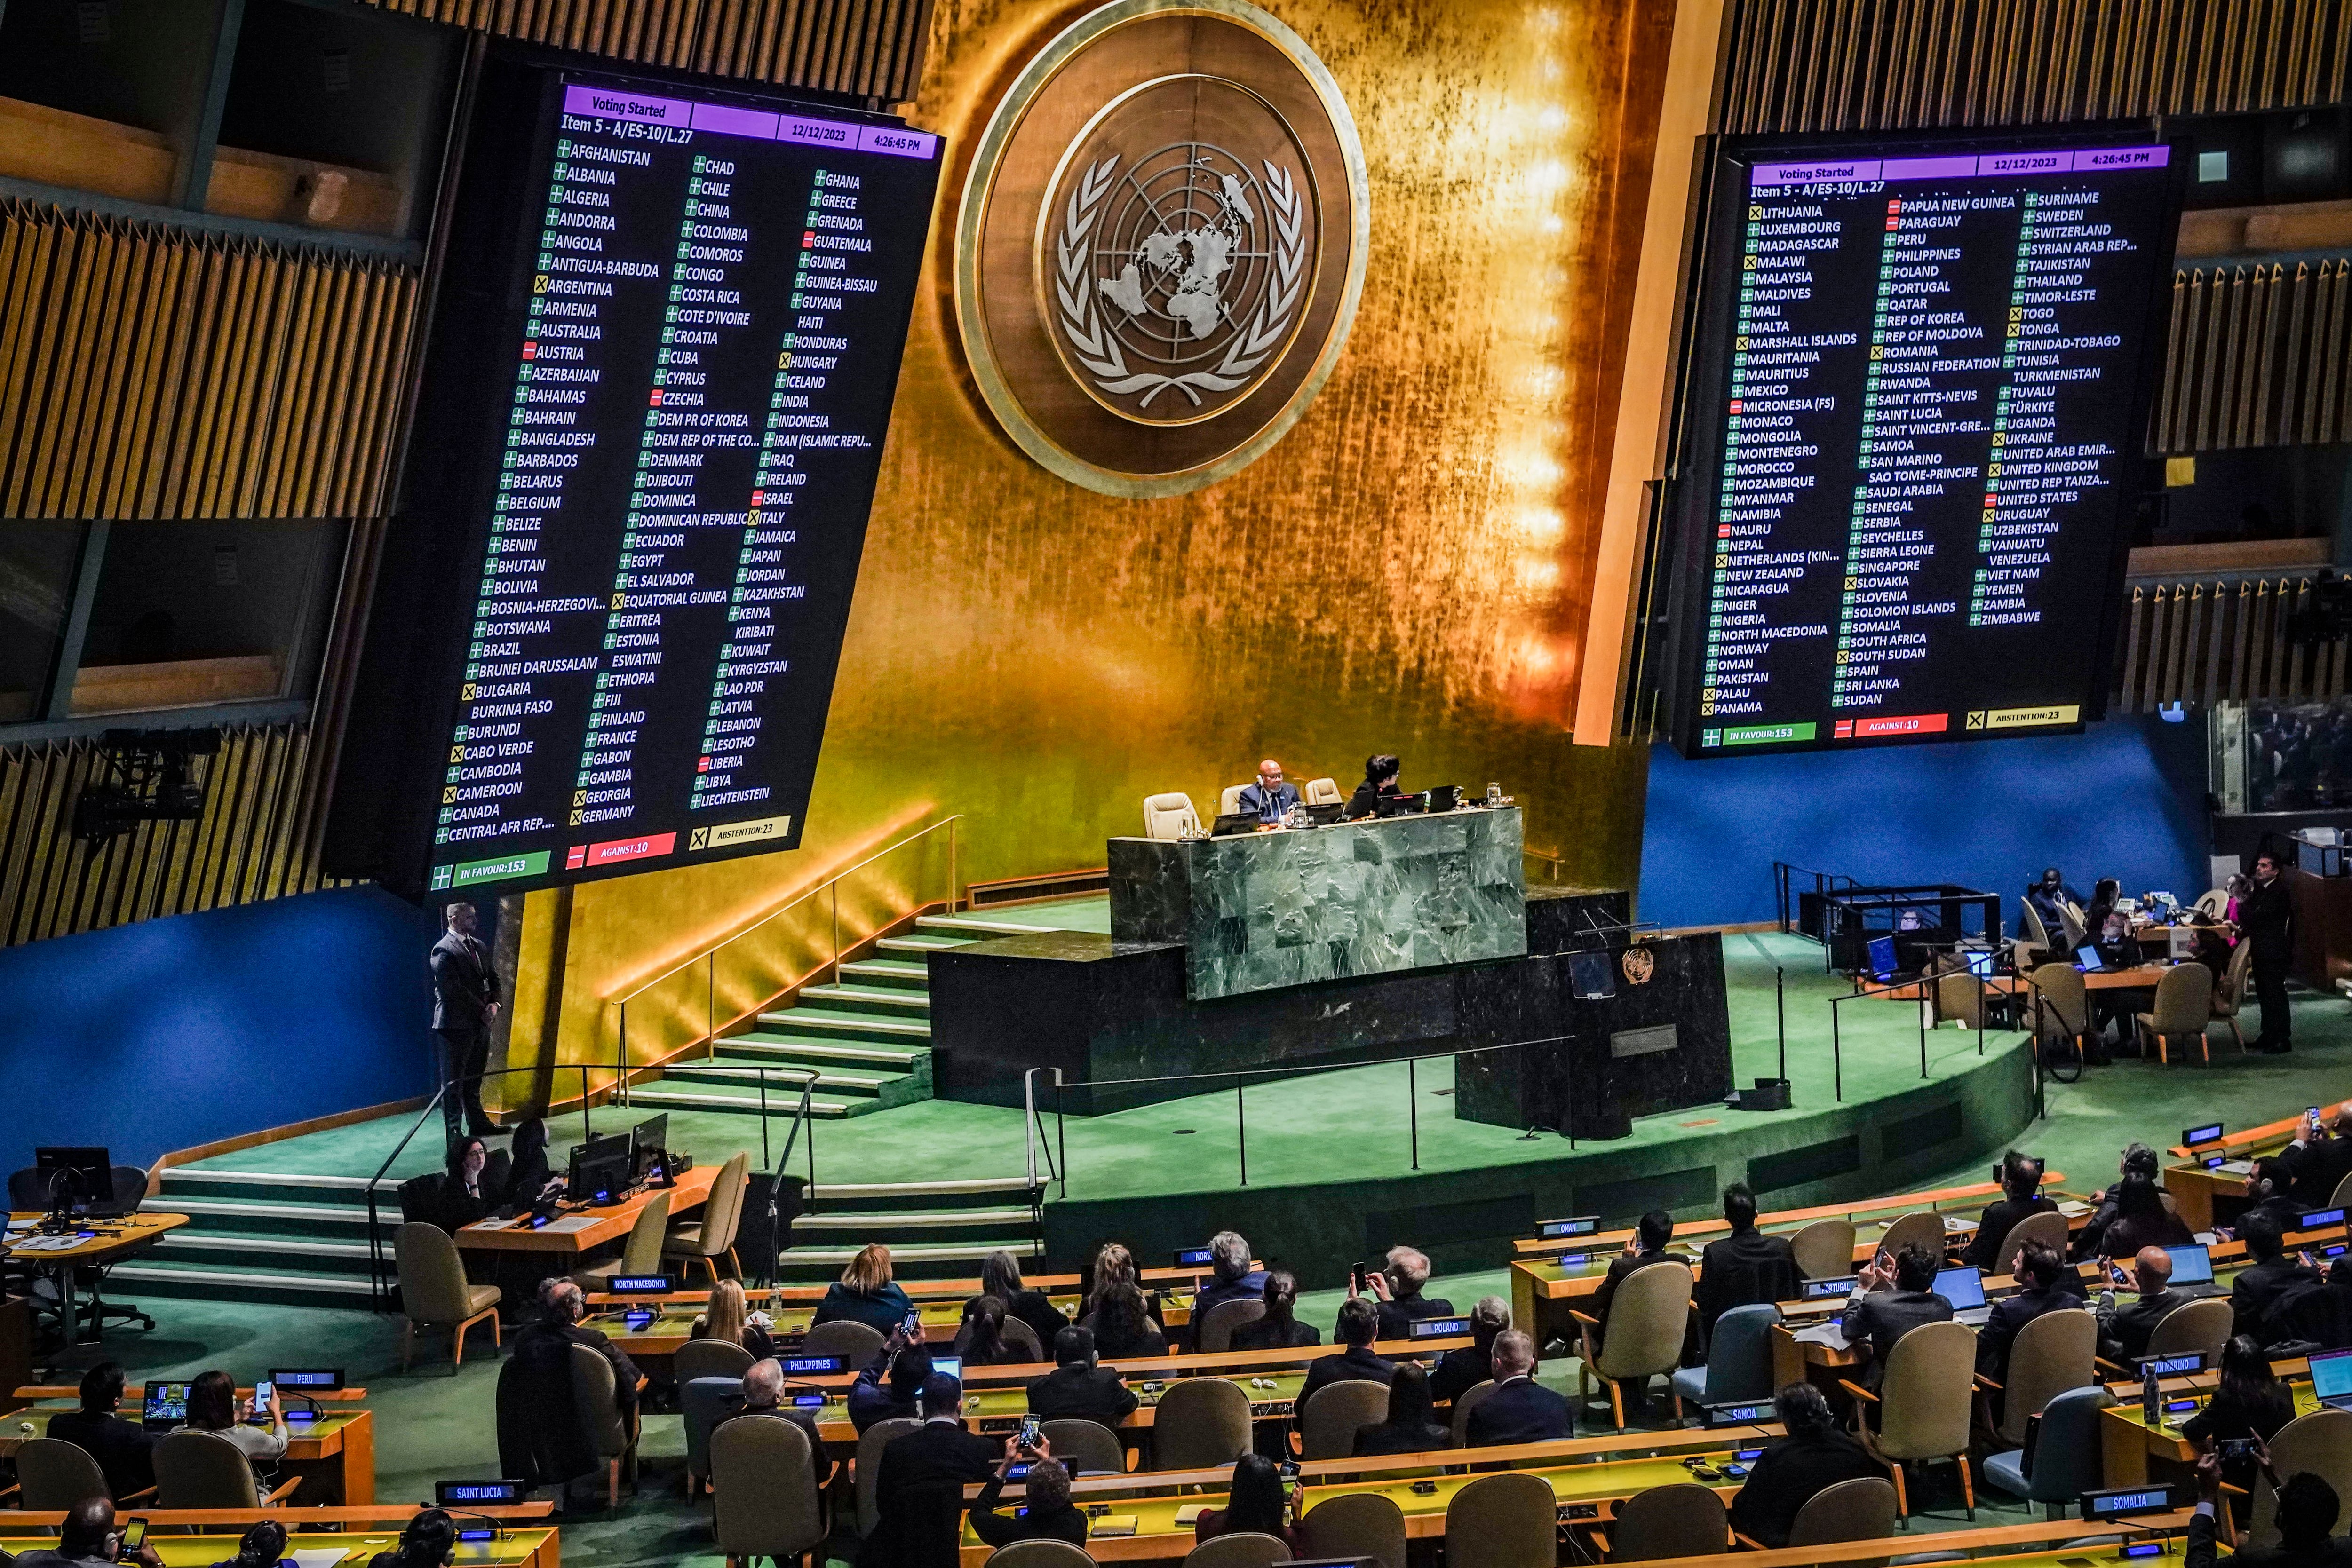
213, 1407
90, 1538
1258, 1501
1047, 1513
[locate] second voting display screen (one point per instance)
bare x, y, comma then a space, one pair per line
687, 387
1913, 435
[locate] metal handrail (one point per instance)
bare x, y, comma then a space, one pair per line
709, 954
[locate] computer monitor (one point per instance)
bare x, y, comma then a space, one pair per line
653, 1133
2190, 1265
600, 1168
1233, 822
77, 1178
1964, 1288
1981, 965
1882, 956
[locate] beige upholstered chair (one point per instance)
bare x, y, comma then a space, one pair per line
1328, 1422
763, 1492
857, 1344
2064, 1013
712, 1237
1017, 1334
1358, 1525
1647, 1320
2230, 995
1925, 1229
2343, 1194
1229, 800
2320, 1442
1093, 1447
1469, 1399
53, 1475
435, 1293
1924, 1401
2198, 1326
1242, 1549
1960, 998
2047, 1227
1169, 816
1685, 1520
2213, 903
1042, 1552
1200, 1423
2184, 1011
708, 1358
2035, 931
1508, 1519
1217, 1328
1859, 1509
870, 1444
1824, 1249
2055, 1352
1323, 792
2070, 919
613, 1432
205, 1470
641, 1252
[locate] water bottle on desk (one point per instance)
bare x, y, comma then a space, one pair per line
2152, 1402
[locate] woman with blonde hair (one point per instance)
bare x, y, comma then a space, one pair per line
866, 1294
1117, 1310
725, 1319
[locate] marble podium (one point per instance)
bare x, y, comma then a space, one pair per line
1260, 912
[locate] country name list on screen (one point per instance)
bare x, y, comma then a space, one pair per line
712, 312
1919, 446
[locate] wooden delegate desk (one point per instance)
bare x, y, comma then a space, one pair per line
531, 1546
675, 1313
1587, 1494
2201, 1195
334, 1454
1786, 1219
2132, 1451
99, 1244
579, 1230
2042, 1545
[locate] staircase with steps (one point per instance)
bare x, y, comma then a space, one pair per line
864, 1039
302, 1238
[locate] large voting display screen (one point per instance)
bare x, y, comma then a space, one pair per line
1912, 438
652, 420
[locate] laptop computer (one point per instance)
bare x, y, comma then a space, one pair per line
2087, 960
1444, 798
1232, 822
1964, 1288
2331, 1378
2193, 1272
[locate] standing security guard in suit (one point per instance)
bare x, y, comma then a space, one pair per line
2266, 918
465, 1000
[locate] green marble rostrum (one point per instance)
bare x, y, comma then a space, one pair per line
1261, 911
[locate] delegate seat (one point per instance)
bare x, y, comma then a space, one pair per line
1169, 816
870, 1444
1327, 1423
1861, 1508
205, 1470
2065, 1457
1357, 1525
2183, 1011
1508, 1519
764, 1496
435, 1293
857, 1344
1685, 1520
1042, 1552
2320, 1442
1648, 1318
1242, 1549
1922, 1403
1200, 1423
597, 1398
641, 1253
1217, 1328
1824, 1249
712, 1237
2056, 1351
1085, 1445
1739, 1358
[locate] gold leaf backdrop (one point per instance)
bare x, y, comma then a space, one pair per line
1408, 571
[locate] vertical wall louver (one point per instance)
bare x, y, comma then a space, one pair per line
1870, 65
860, 48
149, 372
257, 838
2203, 642
2256, 358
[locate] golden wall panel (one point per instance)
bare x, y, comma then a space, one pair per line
1862, 65
1407, 570
257, 838
149, 372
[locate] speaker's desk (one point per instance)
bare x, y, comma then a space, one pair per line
97, 1244
578, 1229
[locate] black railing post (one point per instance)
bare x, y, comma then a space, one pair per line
1413, 1106
1837, 1054
1241, 1129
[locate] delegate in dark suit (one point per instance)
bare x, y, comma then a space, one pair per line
1063, 1523
1884, 1316
919, 1493
1079, 1391
2265, 918
1460, 1371
1620, 1267
2253, 1291
1356, 1360
1518, 1411
2009, 1319
1267, 805
1746, 1268
1993, 1226
1787, 1475
2124, 1329
465, 993
125, 1453
2317, 1167
1397, 1316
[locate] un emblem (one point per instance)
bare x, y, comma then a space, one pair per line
1155, 270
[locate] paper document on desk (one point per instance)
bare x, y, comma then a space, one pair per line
1954, 1222
491, 1225
571, 1222
318, 1557
1822, 1333
2075, 1208
47, 1244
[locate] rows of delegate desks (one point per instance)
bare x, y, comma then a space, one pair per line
330, 1449
519, 1535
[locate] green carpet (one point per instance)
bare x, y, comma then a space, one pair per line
432, 1425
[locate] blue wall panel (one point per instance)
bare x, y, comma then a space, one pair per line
177, 1032
2125, 798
